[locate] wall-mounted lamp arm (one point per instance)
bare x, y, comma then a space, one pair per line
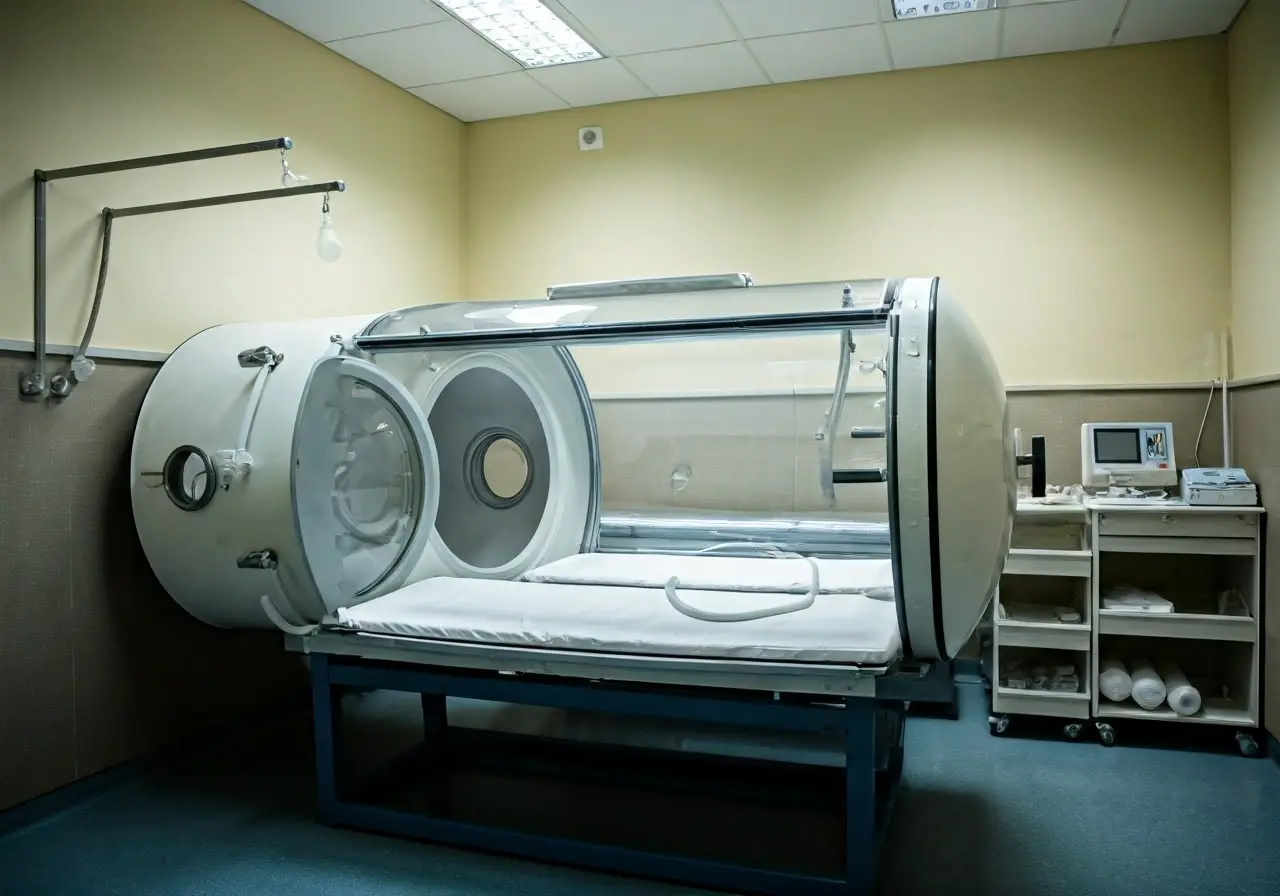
33, 384
332, 186
172, 158
61, 384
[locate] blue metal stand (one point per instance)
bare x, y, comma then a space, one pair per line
873, 766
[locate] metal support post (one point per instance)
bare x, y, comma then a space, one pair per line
326, 708
860, 840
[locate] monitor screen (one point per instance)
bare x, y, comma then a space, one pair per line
1116, 446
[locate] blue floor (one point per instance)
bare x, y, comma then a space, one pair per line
978, 814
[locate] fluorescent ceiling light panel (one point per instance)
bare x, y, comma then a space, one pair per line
526, 30
916, 9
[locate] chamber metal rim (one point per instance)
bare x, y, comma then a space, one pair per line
912, 441
476, 452
171, 477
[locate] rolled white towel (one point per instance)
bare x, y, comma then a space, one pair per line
1114, 682
1183, 698
1148, 688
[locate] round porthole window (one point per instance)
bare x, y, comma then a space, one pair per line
501, 468
190, 479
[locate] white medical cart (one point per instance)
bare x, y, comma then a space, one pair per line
1049, 570
1190, 556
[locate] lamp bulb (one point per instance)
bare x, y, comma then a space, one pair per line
328, 246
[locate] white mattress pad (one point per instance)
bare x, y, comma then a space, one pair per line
707, 572
839, 628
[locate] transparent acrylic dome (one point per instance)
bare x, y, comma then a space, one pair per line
857, 410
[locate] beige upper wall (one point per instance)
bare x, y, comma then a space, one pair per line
1078, 203
88, 81
1255, 189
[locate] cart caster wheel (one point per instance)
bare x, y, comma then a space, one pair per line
999, 725
1248, 746
1072, 730
1106, 734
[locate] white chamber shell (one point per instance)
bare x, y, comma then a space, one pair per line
357, 478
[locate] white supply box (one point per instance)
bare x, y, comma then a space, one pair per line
1220, 486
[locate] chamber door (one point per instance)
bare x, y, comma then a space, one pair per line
365, 481
952, 472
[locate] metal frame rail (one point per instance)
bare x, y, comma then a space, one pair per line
873, 767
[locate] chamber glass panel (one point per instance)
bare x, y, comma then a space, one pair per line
374, 492
722, 305
709, 443
702, 441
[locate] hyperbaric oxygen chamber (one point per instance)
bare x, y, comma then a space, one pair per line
281, 472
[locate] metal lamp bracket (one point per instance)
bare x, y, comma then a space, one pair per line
35, 384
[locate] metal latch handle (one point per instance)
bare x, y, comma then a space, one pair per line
261, 559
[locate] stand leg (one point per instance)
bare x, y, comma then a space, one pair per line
860, 796
326, 710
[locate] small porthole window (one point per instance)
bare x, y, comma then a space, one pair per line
190, 479
501, 469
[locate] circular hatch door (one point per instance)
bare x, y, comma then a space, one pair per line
365, 481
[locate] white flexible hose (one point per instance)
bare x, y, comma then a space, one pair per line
255, 398
765, 548
278, 620
769, 550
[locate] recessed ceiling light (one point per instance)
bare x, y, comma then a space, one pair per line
526, 30
916, 9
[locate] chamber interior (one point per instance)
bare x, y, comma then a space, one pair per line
516, 453
720, 427
495, 476
740, 427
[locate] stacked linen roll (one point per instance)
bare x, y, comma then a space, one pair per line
1183, 698
1148, 687
1114, 681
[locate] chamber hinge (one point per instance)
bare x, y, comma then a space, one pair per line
262, 356
348, 346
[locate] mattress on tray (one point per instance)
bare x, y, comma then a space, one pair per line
839, 628
707, 572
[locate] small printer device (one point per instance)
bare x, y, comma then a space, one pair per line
1225, 486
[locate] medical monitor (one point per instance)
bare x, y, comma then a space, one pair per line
1127, 454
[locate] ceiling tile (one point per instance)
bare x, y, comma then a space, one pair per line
624, 27
763, 18
497, 96
822, 54
326, 20
698, 69
1059, 27
944, 40
592, 83
1152, 20
428, 54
